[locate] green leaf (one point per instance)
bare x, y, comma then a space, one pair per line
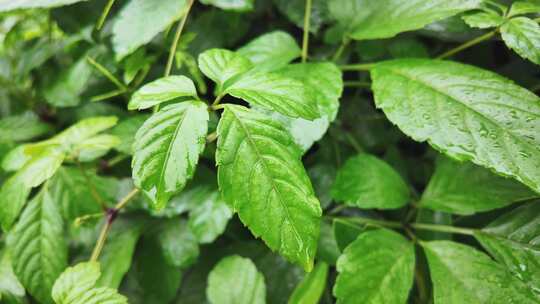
95, 147
132, 28
22, 127
162, 90
310, 290
274, 91
345, 232
9, 5
11, 290
522, 35
271, 51
222, 65
13, 195
178, 243
366, 182
524, 7
76, 285
126, 130
366, 19
295, 11
167, 149
327, 249
236, 280
386, 261
514, 241
465, 112
209, 219
464, 188
39, 251
483, 19
461, 274
261, 176
231, 5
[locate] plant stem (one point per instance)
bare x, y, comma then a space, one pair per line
211, 137
115, 160
357, 84
353, 142
217, 101
443, 228
468, 44
368, 221
357, 67
104, 15
341, 48
174, 45
305, 40
103, 70
110, 216
108, 95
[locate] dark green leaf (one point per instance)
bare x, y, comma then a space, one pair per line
178, 243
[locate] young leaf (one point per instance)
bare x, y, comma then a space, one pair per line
167, 149
483, 19
368, 182
162, 90
236, 280
271, 51
39, 251
514, 241
274, 91
209, 219
461, 274
522, 35
524, 7
464, 188
465, 112
132, 28
76, 285
261, 176
310, 290
386, 261
234, 5
366, 19
178, 243
221, 65
9, 5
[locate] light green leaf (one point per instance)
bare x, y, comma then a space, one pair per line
464, 188
461, 274
22, 127
235, 280
274, 91
140, 20
167, 149
126, 130
366, 182
37, 245
95, 147
13, 195
271, 51
483, 19
367, 19
231, 5
514, 241
310, 290
465, 112
524, 7
11, 290
9, 5
221, 65
261, 176
386, 261
178, 243
522, 35
162, 90
76, 285
209, 219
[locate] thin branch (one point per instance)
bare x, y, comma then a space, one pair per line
340, 50
107, 95
357, 84
123, 202
357, 67
104, 15
468, 44
305, 40
177, 35
103, 70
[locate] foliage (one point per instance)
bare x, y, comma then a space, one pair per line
269, 151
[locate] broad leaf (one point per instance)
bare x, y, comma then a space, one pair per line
365, 181
464, 188
386, 261
13, 196
236, 280
22, 127
461, 274
366, 19
484, 19
9, 5
310, 290
76, 285
522, 35
167, 149
209, 219
514, 240
276, 92
95, 147
39, 251
262, 178
221, 65
178, 243
162, 90
132, 28
126, 130
233, 5
11, 290
271, 51
524, 7
465, 112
